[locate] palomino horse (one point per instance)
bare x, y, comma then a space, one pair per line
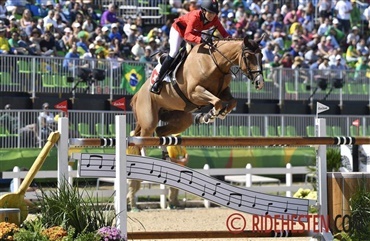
203, 79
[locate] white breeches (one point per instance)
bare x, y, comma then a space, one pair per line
175, 41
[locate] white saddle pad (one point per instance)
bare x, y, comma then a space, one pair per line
157, 68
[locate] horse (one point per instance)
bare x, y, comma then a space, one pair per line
202, 80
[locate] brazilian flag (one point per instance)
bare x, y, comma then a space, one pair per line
133, 77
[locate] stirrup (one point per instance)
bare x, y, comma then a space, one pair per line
156, 87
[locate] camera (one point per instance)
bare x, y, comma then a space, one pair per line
87, 74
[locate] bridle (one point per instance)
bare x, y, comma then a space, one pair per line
251, 72
245, 50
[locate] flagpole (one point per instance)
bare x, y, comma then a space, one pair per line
317, 110
320, 108
358, 130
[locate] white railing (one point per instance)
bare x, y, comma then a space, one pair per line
248, 177
151, 12
17, 175
101, 123
36, 75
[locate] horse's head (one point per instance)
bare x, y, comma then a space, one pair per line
252, 58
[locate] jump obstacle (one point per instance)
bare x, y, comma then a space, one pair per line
163, 172
223, 141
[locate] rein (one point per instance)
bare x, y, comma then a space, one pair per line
215, 61
244, 49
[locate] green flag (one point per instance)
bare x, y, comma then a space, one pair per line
133, 77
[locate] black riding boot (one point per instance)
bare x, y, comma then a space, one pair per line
157, 86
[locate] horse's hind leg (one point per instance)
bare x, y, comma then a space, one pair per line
137, 130
178, 123
147, 119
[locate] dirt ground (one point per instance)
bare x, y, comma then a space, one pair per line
191, 219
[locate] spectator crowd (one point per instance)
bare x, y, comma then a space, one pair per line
75, 30
299, 34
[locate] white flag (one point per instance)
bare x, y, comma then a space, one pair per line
321, 108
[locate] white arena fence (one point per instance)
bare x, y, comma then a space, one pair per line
36, 75
93, 124
253, 178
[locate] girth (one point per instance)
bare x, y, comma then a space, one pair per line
190, 106
179, 60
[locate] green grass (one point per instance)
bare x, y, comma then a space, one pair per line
66, 205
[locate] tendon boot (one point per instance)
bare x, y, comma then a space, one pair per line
157, 86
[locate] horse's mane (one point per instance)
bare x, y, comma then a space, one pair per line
253, 43
232, 39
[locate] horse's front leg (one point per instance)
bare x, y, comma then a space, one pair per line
231, 103
204, 95
207, 118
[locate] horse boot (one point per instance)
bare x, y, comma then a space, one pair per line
157, 86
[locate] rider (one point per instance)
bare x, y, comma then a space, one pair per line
188, 27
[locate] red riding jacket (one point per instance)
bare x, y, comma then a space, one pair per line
190, 25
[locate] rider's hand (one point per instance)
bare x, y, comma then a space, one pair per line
207, 40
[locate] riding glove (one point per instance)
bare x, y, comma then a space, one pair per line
207, 40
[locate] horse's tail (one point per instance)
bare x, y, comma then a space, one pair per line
133, 103
133, 106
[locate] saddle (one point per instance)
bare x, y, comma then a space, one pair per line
178, 60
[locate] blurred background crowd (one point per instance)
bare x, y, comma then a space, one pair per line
323, 34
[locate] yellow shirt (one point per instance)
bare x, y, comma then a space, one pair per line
133, 150
294, 27
351, 51
4, 45
176, 151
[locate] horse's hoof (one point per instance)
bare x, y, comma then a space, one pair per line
209, 121
208, 118
222, 116
197, 118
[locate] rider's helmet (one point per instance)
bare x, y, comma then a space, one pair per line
210, 6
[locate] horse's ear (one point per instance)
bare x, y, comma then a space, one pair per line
261, 38
253, 43
246, 42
